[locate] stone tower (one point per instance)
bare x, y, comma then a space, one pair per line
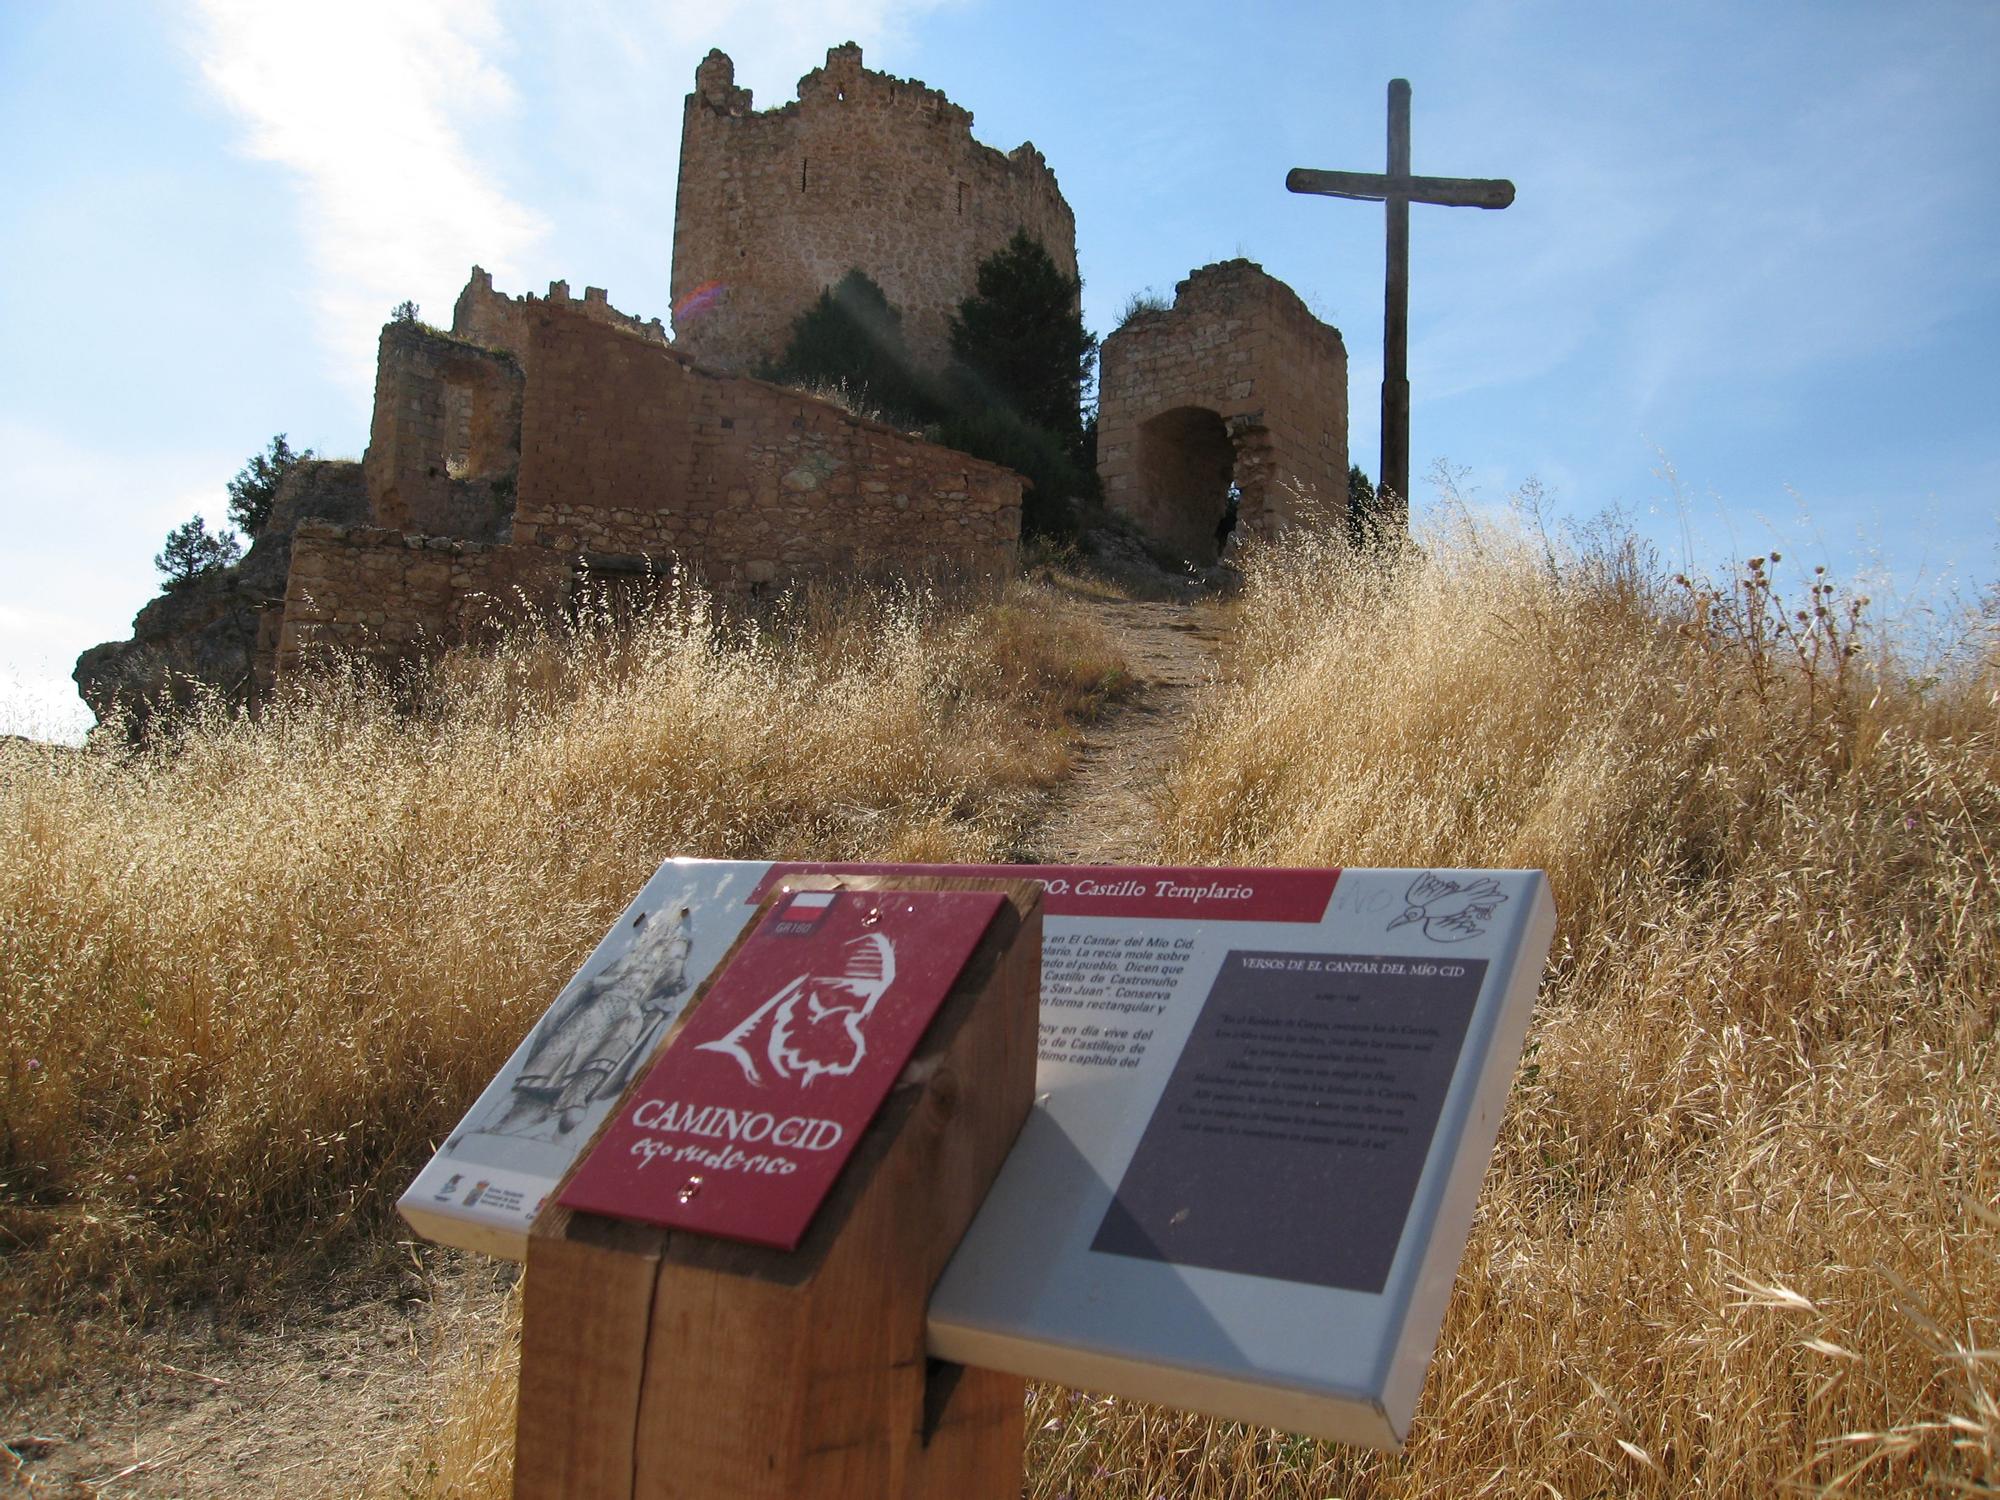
863, 170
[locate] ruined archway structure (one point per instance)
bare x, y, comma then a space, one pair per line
1235, 384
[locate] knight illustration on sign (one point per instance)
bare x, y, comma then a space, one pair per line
586, 1048
813, 1025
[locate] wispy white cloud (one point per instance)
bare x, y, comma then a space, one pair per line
605, 81
1832, 238
382, 109
374, 106
1676, 229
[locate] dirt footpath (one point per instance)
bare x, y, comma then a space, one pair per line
1103, 814
309, 1401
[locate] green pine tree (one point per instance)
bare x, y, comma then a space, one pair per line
256, 484
1020, 343
190, 552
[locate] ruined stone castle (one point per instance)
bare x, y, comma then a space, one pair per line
569, 447
546, 443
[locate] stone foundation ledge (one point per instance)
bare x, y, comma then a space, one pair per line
383, 536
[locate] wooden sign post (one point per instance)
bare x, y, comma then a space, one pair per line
658, 1362
1396, 190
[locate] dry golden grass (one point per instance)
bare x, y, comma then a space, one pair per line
1739, 1238
466, 1450
1739, 1234
248, 976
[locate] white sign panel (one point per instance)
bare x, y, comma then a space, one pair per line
1265, 1102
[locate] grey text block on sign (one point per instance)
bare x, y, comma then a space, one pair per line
1290, 1136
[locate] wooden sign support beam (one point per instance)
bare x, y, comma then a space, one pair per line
669, 1364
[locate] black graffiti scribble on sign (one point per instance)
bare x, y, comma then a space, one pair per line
1451, 908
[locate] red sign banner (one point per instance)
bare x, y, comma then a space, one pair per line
745, 1121
1178, 893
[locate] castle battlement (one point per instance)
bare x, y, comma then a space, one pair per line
864, 170
483, 316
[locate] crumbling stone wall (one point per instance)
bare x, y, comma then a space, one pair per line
630, 451
1237, 383
390, 596
627, 457
483, 316
445, 439
495, 479
864, 170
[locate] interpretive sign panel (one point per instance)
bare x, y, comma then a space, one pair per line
1265, 1100
1100, 979
1258, 1212
743, 1123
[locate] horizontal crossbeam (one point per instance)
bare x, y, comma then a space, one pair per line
1376, 187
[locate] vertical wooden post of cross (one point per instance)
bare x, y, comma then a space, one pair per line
1395, 476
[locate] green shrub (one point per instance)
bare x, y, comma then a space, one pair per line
1054, 477
1148, 301
1372, 522
851, 339
1021, 357
190, 552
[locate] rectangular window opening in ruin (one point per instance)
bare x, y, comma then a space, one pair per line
478, 442
802, 174
963, 189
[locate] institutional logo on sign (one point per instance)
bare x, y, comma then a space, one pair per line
814, 1024
801, 916
719, 1136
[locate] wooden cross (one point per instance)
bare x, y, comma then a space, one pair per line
1397, 189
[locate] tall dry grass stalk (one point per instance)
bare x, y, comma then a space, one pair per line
1739, 1235
249, 975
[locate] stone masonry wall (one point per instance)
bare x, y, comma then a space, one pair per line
864, 170
445, 438
629, 450
391, 596
1238, 380
621, 455
498, 321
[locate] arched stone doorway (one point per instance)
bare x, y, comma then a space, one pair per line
1187, 464
1238, 356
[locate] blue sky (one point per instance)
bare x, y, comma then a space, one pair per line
1749, 290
